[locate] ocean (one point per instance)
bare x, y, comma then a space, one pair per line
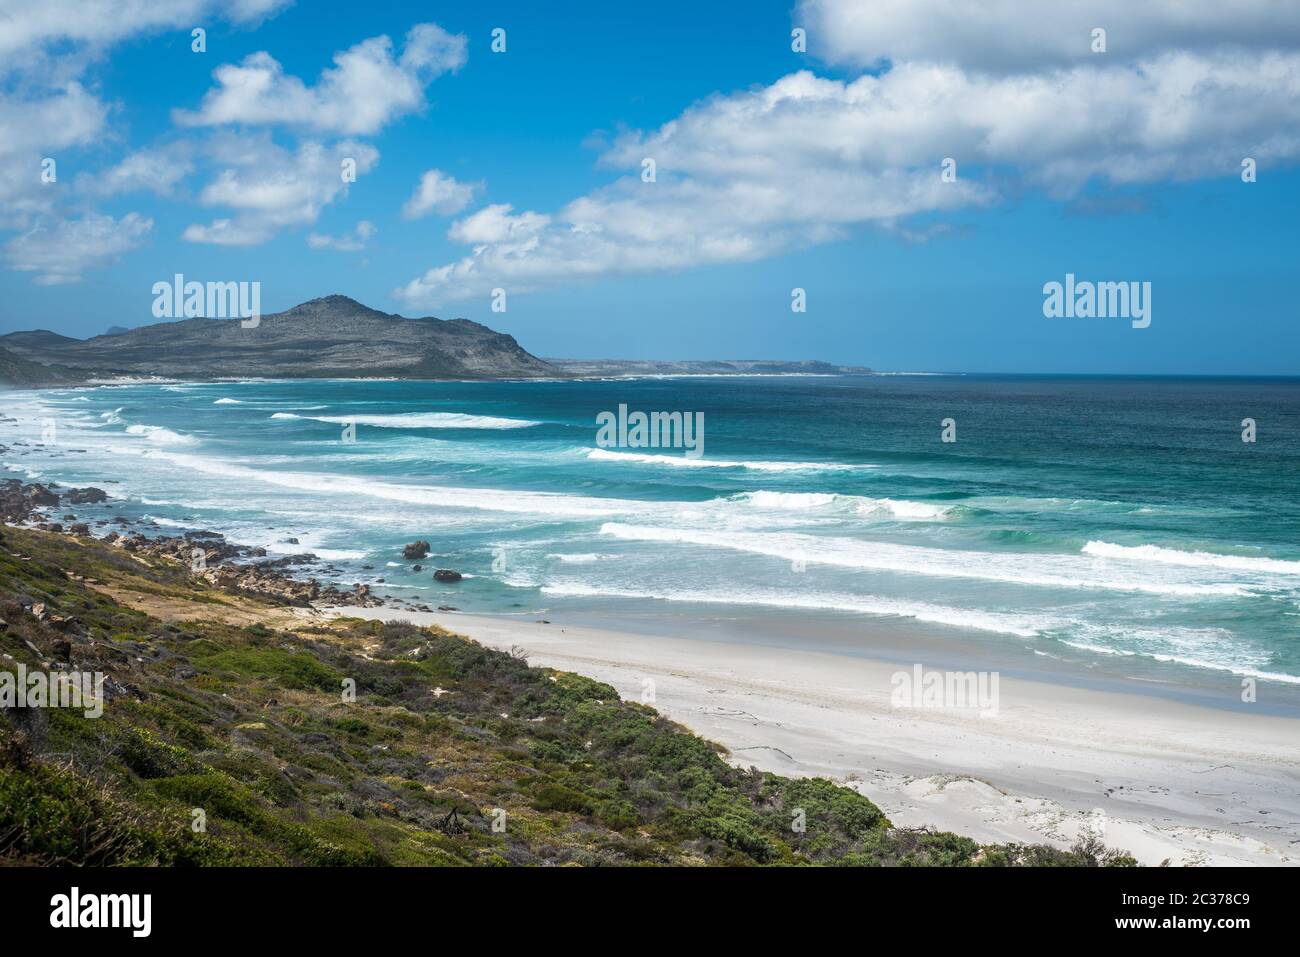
1120, 524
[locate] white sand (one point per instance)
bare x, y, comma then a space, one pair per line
1160, 779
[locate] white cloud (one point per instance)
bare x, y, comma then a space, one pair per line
349, 243
46, 111
807, 159
1016, 35
495, 224
367, 88
438, 192
801, 161
36, 128
52, 120
59, 252
157, 170
52, 42
271, 189
26, 27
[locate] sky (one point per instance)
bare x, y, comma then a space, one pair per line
776, 169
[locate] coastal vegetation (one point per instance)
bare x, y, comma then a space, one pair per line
239, 729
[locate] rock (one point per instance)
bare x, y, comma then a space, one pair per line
446, 575
291, 541
417, 568
40, 495
86, 496
417, 549
81, 528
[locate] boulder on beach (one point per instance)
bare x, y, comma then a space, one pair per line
446, 575
417, 549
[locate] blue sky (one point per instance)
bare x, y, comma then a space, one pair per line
829, 190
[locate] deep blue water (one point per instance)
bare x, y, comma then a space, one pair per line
1104, 516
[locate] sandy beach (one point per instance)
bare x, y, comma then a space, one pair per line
1164, 780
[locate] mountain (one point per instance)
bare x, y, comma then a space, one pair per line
640, 367
330, 337
22, 373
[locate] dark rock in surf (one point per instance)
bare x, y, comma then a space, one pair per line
417, 549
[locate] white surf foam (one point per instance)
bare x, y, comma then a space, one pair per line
418, 420
896, 508
682, 462
548, 504
1055, 571
1159, 555
1023, 626
160, 435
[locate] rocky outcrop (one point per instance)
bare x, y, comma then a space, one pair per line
85, 496
417, 549
18, 501
237, 568
447, 575
228, 566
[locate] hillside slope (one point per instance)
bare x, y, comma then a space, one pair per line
19, 373
231, 710
331, 336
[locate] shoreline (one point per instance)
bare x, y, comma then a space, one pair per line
1161, 779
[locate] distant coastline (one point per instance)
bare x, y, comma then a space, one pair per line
327, 338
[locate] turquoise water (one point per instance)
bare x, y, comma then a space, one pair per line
1116, 518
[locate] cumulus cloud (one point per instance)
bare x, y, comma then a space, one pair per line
59, 252
156, 169
808, 159
34, 127
46, 110
348, 243
1015, 35
27, 27
438, 192
270, 188
368, 87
